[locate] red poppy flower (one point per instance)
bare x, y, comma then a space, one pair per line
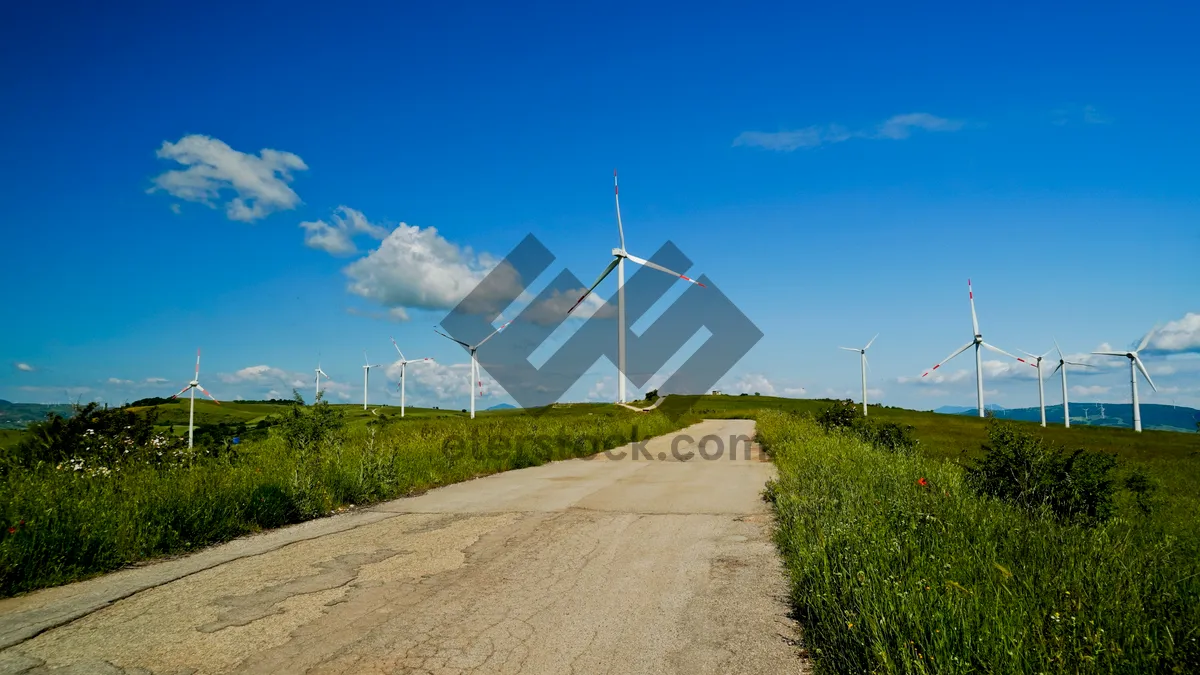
12, 530
922, 482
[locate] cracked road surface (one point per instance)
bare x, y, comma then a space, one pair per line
603, 565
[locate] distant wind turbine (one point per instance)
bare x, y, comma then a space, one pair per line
977, 342
193, 386
1041, 390
620, 255
1135, 364
367, 366
1062, 365
863, 362
475, 379
403, 364
320, 373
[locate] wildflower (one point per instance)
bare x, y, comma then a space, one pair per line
922, 482
12, 530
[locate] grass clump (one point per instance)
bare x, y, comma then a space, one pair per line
899, 565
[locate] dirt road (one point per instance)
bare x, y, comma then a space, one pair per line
607, 565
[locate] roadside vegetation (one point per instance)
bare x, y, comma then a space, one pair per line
1022, 556
108, 487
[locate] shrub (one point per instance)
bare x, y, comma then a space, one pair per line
1022, 469
1144, 489
96, 438
841, 415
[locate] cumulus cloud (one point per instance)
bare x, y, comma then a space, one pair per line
1004, 370
418, 268
897, 127
749, 383
1092, 390
1180, 335
337, 237
156, 380
119, 382
24, 367
266, 375
441, 382
794, 391
251, 187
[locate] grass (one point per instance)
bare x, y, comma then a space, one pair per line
61, 525
889, 576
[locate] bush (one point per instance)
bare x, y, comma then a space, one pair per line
1022, 469
846, 416
98, 439
841, 415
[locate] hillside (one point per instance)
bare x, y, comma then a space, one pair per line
1154, 415
19, 415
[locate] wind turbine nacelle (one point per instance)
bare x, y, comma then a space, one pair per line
620, 253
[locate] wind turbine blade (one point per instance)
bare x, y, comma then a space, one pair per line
1001, 351
647, 263
868, 362
850, 349
617, 198
1057, 368
1085, 365
871, 342
366, 361
493, 333
1060, 354
607, 270
181, 391
205, 392
452, 339
960, 350
974, 318
1028, 354
1046, 354
398, 349
1111, 353
1146, 340
1137, 361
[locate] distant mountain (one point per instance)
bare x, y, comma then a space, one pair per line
964, 409
502, 406
1154, 415
19, 415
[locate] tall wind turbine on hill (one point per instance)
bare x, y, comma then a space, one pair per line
367, 366
1041, 390
193, 386
404, 364
863, 358
1062, 365
620, 255
1135, 364
320, 374
977, 342
475, 379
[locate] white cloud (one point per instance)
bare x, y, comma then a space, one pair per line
176, 209
794, 391
1181, 335
433, 380
337, 238
259, 183
749, 383
266, 375
1006, 370
1092, 390
156, 380
897, 127
119, 382
24, 367
418, 268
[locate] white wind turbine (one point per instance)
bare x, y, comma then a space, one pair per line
403, 364
1062, 365
367, 366
1135, 364
1041, 390
193, 386
977, 342
620, 255
863, 358
320, 374
474, 362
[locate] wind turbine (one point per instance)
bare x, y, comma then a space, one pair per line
863, 358
474, 363
620, 255
403, 363
367, 366
1135, 364
977, 342
1041, 390
193, 386
319, 374
1062, 365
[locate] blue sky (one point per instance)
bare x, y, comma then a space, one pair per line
838, 172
